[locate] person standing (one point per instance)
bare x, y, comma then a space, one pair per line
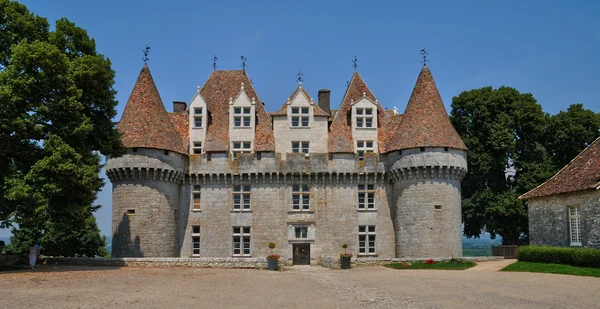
37, 251
32, 256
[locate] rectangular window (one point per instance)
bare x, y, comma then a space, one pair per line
366, 239
240, 147
197, 148
195, 240
242, 116
300, 147
362, 147
241, 241
197, 117
300, 197
575, 225
364, 117
196, 198
300, 116
301, 232
241, 197
366, 196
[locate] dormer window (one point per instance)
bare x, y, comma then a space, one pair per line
240, 147
241, 117
197, 148
300, 116
364, 117
362, 147
197, 117
300, 147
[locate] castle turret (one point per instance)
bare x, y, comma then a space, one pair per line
427, 161
147, 179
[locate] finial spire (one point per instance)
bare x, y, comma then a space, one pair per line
198, 89
243, 62
355, 63
299, 79
146, 53
424, 54
215, 66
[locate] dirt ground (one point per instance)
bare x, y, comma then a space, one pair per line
53, 286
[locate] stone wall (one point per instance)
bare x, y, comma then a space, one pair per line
334, 262
9, 260
549, 219
163, 262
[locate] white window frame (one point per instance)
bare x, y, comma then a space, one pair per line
300, 116
242, 236
195, 240
301, 232
301, 197
242, 116
241, 198
240, 147
196, 196
198, 117
301, 146
366, 196
575, 225
363, 146
197, 147
367, 240
364, 116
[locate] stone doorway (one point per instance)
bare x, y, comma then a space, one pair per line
301, 254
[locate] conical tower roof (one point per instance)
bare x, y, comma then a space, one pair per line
425, 122
145, 122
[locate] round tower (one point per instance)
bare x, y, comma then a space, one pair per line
147, 179
427, 162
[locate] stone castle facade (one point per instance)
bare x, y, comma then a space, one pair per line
222, 177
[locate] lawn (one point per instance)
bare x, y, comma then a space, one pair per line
440, 265
553, 269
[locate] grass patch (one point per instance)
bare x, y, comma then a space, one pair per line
440, 265
553, 269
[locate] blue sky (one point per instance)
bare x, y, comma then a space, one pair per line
549, 49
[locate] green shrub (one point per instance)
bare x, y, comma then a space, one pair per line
584, 257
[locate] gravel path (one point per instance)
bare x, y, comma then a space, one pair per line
302, 287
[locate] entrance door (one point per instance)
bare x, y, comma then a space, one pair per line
301, 254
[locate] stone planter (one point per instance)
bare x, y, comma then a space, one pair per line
345, 261
272, 264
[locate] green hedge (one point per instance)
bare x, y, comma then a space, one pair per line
584, 257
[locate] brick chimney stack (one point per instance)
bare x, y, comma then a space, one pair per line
179, 107
324, 100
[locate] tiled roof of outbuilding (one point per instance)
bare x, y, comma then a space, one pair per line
145, 122
582, 173
221, 86
317, 111
425, 122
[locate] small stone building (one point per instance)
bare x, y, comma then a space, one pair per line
565, 210
222, 177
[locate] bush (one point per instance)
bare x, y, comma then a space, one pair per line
584, 257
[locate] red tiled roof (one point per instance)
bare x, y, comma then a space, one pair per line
582, 173
340, 132
145, 122
425, 123
221, 86
180, 122
317, 110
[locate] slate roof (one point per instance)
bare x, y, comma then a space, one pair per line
145, 122
340, 131
221, 86
425, 122
582, 173
317, 111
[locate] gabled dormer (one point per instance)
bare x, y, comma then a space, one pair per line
242, 120
198, 122
364, 125
300, 109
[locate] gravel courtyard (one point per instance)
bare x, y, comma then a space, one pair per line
53, 286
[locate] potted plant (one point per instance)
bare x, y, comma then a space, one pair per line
273, 258
345, 257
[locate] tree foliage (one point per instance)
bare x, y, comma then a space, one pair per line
513, 147
56, 105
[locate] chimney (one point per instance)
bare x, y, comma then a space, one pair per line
324, 99
179, 107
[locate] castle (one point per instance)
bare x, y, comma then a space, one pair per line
223, 177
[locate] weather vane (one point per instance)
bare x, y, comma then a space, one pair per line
300, 80
347, 83
243, 62
424, 54
215, 66
355, 63
146, 53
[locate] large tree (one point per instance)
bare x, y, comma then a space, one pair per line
56, 105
